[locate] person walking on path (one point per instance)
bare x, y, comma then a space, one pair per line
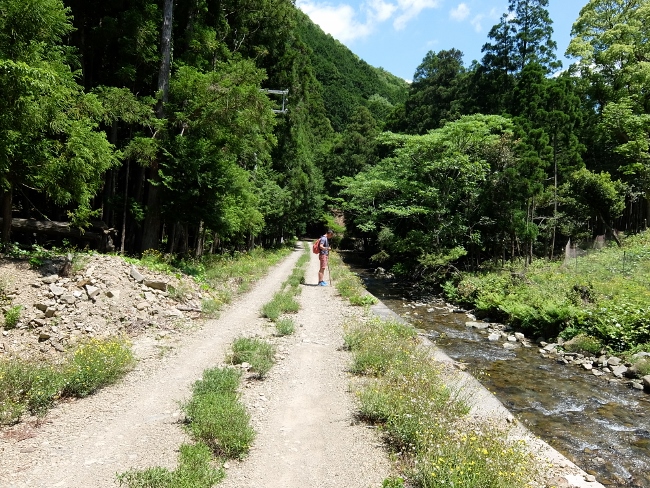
323, 257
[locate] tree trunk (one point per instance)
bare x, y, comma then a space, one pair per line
6, 202
152, 221
126, 206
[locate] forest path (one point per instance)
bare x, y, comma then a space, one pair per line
307, 435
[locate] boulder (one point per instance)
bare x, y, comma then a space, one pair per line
619, 371
92, 291
477, 325
156, 285
613, 361
646, 383
510, 345
135, 274
494, 336
48, 280
43, 336
57, 291
587, 366
519, 336
68, 298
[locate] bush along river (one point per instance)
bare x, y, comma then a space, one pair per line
583, 407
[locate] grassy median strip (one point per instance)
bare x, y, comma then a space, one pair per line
257, 353
220, 425
284, 302
424, 421
32, 387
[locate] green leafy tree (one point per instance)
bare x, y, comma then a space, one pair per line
610, 44
48, 132
435, 95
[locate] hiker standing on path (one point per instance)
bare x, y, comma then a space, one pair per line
323, 256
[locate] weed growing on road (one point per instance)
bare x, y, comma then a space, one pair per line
220, 425
282, 302
259, 354
285, 327
425, 421
194, 470
215, 415
33, 387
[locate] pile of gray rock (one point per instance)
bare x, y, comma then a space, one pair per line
107, 297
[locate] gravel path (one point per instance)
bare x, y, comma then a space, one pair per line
302, 412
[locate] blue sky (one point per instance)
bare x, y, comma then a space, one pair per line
396, 34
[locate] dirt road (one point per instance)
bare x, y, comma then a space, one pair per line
302, 412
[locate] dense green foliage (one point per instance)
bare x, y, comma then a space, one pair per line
190, 154
603, 295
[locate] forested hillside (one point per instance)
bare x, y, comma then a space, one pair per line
147, 123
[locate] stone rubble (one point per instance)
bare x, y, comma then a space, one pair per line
107, 297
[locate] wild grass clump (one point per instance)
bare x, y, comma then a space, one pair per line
27, 386
377, 344
582, 343
282, 302
285, 327
424, 420
210, 308
216, 417
348, 284
220, 426
258, 353
12, 316
195, 470
95, 364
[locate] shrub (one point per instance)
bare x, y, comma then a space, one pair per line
210, 308
215, 415
583, 343
285, 327
27, 386
259, 354
194, 470
12, 316
282, 302
95, 364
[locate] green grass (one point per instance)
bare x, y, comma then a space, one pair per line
348, 284
424, 421
216, 417
285, 326
282, 302
33, 387
195, 470
604, 295
220, 426
12, 316
258, 353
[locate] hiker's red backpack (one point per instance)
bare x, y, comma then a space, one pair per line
315, 247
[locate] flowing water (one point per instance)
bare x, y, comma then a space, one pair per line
604, 428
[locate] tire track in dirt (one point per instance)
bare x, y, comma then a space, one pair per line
133, 424
308, 436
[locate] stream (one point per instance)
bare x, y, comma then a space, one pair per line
602, 427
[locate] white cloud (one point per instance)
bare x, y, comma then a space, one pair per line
339, 21
346, 24
409, 9
477, 22
459, 13
379, 11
